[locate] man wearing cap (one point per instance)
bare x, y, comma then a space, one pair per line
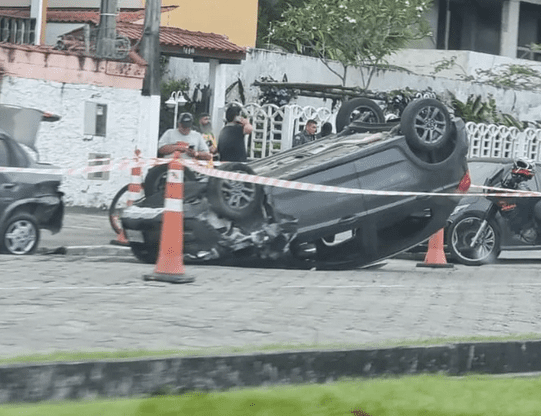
187, 141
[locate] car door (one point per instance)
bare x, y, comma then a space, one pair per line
322, 213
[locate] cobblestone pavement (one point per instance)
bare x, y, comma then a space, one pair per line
54, 302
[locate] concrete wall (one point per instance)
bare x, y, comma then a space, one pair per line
63, 143
420, 63
63, 84
236, 19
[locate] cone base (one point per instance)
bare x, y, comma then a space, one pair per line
169, 278
436, 265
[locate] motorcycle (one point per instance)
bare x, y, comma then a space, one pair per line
475, 237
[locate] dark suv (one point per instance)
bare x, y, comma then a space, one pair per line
226, 220
28, 200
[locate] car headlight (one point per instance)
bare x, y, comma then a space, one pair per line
459, 208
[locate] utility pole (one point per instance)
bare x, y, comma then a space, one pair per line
105, 45
38, 11
150, 47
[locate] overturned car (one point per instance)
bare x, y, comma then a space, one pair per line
227, 222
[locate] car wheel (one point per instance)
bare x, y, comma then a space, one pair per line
144, 252
426, 123
120, 201
20, 235
460, 234
234, 199
359, 109
157, 178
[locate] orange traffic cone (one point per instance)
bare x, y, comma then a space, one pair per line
170, 264
435, 256
135, 191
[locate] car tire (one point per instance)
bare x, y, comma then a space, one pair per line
234, 199
426, 123
117, 204
360, 109
460, 233
20, 235
157, 178
144, 252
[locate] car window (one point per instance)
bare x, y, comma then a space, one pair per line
4, 155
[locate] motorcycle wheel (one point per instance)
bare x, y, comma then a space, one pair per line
460, 234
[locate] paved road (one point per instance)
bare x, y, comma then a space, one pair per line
59, 302
81, 227
53, 302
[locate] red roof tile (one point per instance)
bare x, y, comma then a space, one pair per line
176, 37
173, 42
79, 15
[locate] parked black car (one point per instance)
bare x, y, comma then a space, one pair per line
28, 201
503, 231
227, 220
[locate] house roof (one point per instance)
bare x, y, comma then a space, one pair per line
187, 44
79, 15
198, 46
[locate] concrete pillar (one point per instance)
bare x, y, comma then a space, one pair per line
38, 11
509, 32
149, 125
217, 100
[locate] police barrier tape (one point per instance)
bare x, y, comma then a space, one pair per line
260, 180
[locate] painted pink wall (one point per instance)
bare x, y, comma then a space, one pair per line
33, 62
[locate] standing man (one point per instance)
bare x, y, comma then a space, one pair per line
205, 128
231, 145
190, 143
307, 135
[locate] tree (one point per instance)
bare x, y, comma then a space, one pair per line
269, 12
358, 33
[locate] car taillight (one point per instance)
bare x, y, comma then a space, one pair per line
465, 183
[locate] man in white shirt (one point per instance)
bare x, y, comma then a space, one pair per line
187, 141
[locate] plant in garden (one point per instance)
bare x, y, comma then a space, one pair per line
515, 76
358, 33
478, 111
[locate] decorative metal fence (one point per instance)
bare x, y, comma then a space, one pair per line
274, 128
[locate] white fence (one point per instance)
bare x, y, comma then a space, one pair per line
274, 128
489, 140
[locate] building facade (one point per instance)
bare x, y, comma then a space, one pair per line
497, 27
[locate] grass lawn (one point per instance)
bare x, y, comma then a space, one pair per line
433, 395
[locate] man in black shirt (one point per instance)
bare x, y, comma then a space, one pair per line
231, 145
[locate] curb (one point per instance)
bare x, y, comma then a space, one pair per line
175, 375
89, 251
